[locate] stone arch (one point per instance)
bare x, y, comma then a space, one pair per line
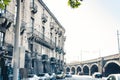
111, 67
73, 69
78, 69
93, 68
67, 69
86, 69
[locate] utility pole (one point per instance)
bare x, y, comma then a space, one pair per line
118, 43
81, 56
16, 43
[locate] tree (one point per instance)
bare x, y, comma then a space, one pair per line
74, 3
4, 3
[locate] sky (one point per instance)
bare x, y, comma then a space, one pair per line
91, 29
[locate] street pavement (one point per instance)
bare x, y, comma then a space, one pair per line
77, 77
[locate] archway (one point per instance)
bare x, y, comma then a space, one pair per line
67, 69
94, 68
73, 70
86, 70
79, 69
111, 67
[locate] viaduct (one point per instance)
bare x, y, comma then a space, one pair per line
106, 65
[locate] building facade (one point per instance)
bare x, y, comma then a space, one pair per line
41, 38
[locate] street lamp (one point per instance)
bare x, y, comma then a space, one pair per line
16, 54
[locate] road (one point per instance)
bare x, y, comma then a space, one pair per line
83, 77
76, 77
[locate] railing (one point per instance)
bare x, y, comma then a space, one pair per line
33, 7
44, 18
59, 50
23, 27
40, 38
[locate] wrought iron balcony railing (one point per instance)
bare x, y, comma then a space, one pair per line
23, 27
44, 18
52, 60
40, 38
59, 50
33, 7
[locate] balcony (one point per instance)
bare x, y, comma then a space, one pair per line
52, 60
44, 18
6, 19
22, 28
33, 7
59, 50
7, 50
40, 38
44, 58
60, 33
52, 24
9, 46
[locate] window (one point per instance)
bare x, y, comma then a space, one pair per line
32, 22
15, 14
1, 38
43, 31
2, 12
32, 3
51, 37
111, 78
59, 43
55, 41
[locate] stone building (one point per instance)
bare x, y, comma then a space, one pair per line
41, 38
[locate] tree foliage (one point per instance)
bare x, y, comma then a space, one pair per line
74, 3
4, 3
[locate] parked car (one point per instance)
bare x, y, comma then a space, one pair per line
68, 74
32, 77
60, 75
113, 77
52, 76
97, 75
81, 77
44, 76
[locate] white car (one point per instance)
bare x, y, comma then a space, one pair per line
32, 77
52, 76
80, 77
113, 77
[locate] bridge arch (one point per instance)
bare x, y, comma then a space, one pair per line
67, 69
78, 69
111, 67
73, 69
93, 68
86, 69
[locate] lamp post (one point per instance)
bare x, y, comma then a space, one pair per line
16, 43
118, 43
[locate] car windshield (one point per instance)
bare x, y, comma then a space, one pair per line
42, 74
98, 76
